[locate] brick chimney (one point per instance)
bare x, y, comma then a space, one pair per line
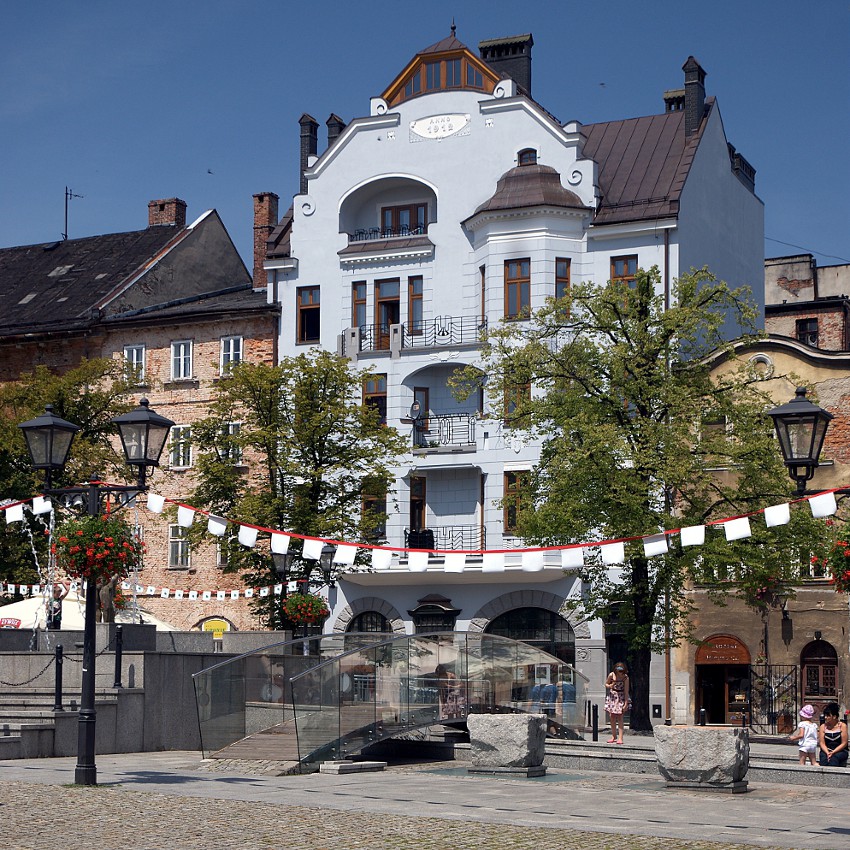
309, 145
335, 126
168, 211
265, 220
510, 56
694, 95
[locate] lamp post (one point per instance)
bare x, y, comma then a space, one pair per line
326, 564
143, 434
282, 562
801, 427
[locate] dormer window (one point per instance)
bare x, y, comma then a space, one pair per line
527, 156
440, 73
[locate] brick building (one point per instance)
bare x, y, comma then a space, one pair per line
175, 302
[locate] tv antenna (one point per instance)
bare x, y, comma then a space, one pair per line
68, 195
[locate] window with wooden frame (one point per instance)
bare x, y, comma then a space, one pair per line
358, 303
417, 502
134, 363
527, 156
423, 395
179, 548
516, 396
518, 288
180, 447
452, 69
375, 395
405, 219
387, 310
414, 304
231, 353
562, 277
181, 360
624, 269
482, 276
373, 505
231, 450
451, 72
807, 331
514, 486
308, 315
474, 78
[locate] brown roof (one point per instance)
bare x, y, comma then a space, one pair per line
60, 284
643, 164
396, 243
530, 186
277, 245
450, 42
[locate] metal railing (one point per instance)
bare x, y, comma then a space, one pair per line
374, 337
444, 429
443, 330
365, 234
469, 537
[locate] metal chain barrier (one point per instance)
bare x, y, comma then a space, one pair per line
21, 684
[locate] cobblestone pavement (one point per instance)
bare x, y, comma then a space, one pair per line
172, 801
46, 817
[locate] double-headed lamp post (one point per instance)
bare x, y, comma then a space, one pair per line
143, 435
801, 427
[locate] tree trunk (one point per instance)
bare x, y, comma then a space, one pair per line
640, 720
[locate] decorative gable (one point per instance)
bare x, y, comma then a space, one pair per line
448, 65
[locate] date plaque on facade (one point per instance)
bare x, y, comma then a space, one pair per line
439, 127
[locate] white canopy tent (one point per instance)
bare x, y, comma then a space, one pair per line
30, 613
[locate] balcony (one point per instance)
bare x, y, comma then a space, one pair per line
368, 234
445, 431
450, 537
444, 330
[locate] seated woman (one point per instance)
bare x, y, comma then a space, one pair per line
832, 738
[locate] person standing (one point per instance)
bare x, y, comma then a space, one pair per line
832, 738
617, 700
807, 735
54, 606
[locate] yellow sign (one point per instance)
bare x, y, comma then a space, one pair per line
217, 626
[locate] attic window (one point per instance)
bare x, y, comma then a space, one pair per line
60, 270
527, 156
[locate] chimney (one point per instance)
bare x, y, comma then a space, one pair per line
169, 211
309, 145
674, 100
694, 95
511, 57
335, 126
265, 220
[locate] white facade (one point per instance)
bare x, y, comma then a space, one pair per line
447, 150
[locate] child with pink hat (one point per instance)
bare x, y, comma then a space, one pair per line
807, 735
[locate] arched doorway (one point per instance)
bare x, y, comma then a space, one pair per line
819, 664
722, 679
539, 627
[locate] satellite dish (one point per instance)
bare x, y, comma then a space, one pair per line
415, 410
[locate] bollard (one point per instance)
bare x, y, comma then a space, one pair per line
743, 719
595, 722
57, 697
119, 651
702, 717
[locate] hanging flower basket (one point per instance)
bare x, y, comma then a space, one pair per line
303, 608
97, 548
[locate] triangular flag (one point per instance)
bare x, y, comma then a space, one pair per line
234, 594
417, 562
247, 536
193, 594
292, 586
572, 558
249, 592
382, 559
280, 543
737, 529
345, 554
777, 515
165, 593
278, 589
151, 590
655, 544
219, 594
155, 503
823, 505
178, 594
532, 560
312, 550
693, 535
264, 591
613, 553
185, 516
216, 525
455, 562
206, 595
125, 585
493, 562
41, 505
15, 514
36, 589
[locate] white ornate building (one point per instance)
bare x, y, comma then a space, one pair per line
458, 201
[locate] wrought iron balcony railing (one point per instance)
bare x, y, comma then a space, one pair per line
444, 330
469, 537
364, 234
444, 429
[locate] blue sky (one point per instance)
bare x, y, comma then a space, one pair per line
126, 102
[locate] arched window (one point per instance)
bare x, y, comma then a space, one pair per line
527, 156
546, 630
369, 621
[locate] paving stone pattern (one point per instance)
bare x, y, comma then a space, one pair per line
46, 817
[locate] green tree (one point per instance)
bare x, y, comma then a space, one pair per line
637, 437
89, 395
315, 453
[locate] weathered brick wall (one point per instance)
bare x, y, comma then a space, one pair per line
832, 330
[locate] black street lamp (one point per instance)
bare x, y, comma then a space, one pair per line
801, 427
326, 563
143, 435
282, 562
